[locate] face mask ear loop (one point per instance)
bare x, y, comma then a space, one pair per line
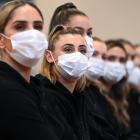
57, 68
53, 59
6, 37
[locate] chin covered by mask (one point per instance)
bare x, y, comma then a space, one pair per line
28, 47
95, 68
72, 66
134, 78
114, 72
89, 44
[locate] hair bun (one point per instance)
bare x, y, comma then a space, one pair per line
65, 6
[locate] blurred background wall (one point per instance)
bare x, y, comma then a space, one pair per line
109, 18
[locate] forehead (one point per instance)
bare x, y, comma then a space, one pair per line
137, 50
69, 39
137, 61
100, 46
129, 49
116, 51
79, 21
25, 12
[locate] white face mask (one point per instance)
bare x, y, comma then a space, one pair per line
95, 68
28, 47
114, 72
134, 78
73, 65
129, 67
89, 44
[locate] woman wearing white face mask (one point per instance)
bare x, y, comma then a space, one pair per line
21, 25
134, 94
115, 82
69, 15
64, 63
93, 92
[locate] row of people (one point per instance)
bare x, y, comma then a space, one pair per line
81, 91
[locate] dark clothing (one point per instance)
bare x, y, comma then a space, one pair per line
106, 123
75, 114
20, 108
134, 112
66, 109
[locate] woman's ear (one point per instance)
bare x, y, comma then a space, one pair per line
2, 44
49, 56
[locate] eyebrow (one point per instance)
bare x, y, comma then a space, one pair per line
71, 45
68, 44
90, 28
39, 22
82, 46
77, 27
24, 21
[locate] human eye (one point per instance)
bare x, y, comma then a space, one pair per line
38, 26
82, 49
20, 27
68, 49
95, 53
89, 33
111, 58
80, 30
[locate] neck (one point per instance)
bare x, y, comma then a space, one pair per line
70, 85
24, 71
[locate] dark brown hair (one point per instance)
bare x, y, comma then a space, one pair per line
63, 13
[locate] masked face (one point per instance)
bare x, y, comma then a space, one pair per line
69, 56
95, 68
22, 45
28, 47
134, 78
72, 66
114, 72
82, 23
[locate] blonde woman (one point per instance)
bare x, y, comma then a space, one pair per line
22, 43
64, 63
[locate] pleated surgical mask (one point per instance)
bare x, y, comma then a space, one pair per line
114, 72
95, 68
89, 44
134, 78
28, 47
72, 65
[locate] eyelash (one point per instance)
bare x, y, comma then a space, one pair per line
22, 27
38, 27
68, 50
89, 33
83, 50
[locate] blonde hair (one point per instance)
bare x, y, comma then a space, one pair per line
47, 68
7, 11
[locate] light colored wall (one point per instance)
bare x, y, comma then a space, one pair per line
109, 18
